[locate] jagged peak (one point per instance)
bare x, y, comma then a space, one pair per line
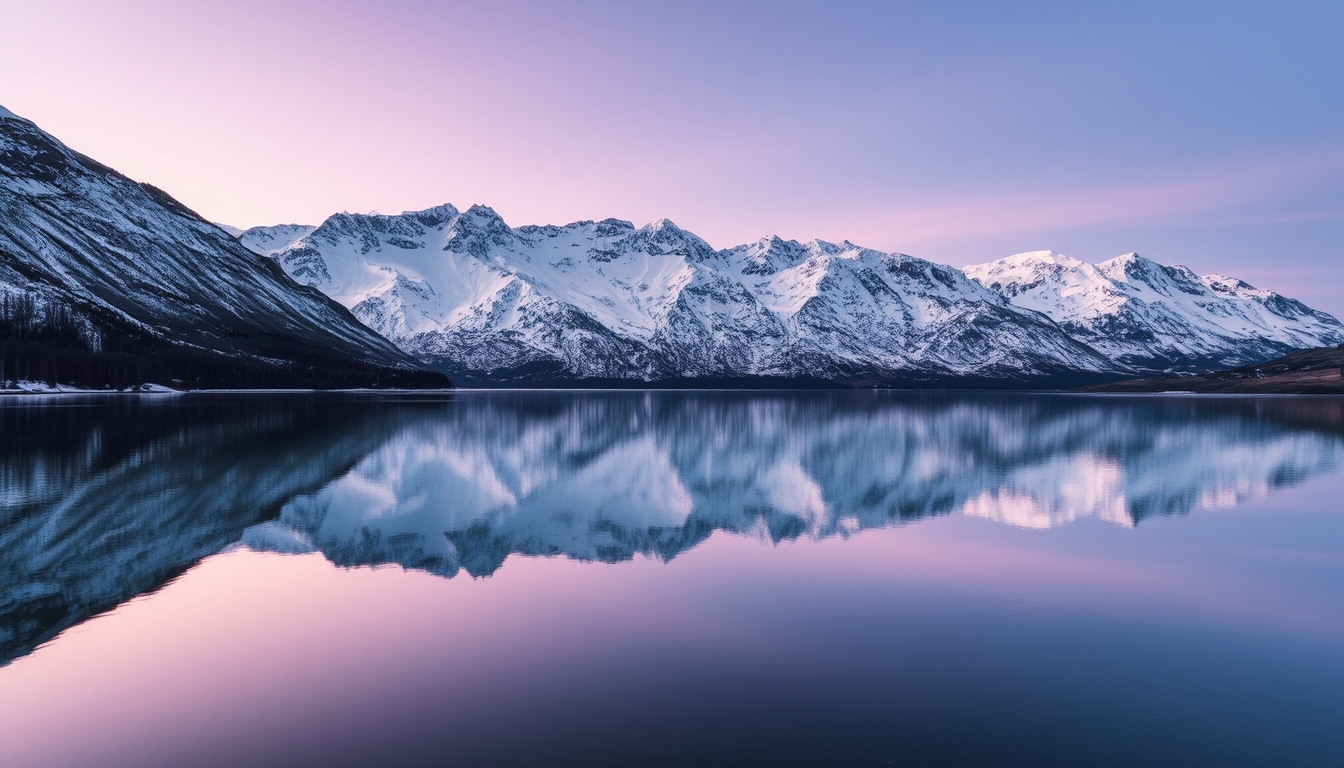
613, 227
5, 114
1129, 258
1225, 284
1133, 267
819, 246
664, 233
661, 224
664, 228
769, 254
772, 244
447, 208
480, 218
435, 216
1128, 262
354, 216
482, 212
845, 248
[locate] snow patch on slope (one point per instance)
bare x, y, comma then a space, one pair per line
270, 240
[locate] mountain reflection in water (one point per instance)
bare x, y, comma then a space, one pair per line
107, 498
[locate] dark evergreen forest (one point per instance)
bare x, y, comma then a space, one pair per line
53, 343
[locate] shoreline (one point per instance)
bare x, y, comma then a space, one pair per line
165, 392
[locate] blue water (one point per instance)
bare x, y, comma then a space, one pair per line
667, 578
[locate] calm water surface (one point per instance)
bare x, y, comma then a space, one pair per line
820, 578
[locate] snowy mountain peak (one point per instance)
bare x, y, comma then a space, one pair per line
434, 217
477, 230
5, 114
271, 240
482, 213
1158, 318
663, 224
662, 237
1133, 267
769, 255
1127, 261
613, 228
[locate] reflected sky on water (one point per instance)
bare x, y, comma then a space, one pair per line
666, 577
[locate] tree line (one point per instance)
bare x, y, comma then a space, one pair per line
51, 343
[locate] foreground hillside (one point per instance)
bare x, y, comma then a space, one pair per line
1309, 372
108, 283
610, 303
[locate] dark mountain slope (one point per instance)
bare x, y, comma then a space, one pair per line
106, 282
1310, 372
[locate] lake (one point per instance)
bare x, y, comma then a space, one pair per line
671, 578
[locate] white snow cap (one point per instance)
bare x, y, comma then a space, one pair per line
6, 114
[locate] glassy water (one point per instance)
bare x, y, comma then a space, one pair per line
664, 578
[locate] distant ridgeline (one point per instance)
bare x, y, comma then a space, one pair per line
606, 303
106, 283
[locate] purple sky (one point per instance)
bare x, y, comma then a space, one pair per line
1205, 134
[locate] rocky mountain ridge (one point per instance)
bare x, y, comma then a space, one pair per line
608, 302
1152, 317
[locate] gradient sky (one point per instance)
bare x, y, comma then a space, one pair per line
1206, 134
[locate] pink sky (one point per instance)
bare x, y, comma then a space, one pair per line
959, 133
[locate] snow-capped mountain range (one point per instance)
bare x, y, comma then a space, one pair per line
125, 277
606, 301
1152, 317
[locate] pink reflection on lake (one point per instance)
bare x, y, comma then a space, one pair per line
252, 657
671, 578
